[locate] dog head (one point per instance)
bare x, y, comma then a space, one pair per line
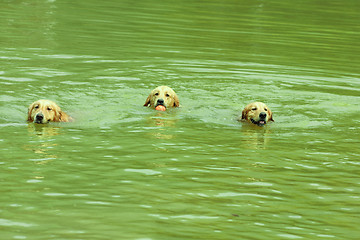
162, 95
257, 113
44, 111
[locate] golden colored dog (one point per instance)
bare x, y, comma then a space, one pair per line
257, 113
44, 111
162, 95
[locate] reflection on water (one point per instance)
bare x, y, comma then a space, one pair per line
44, 143
43, 131
162, 124
255, 137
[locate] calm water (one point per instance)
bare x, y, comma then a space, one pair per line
122, 171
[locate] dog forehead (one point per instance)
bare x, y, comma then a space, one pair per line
257, 104
43, 103
262, 105
163, 89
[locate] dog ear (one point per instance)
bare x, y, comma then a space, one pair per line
63, 117
271, 118
147, 102
31, 107
57, 115
244, 113
176, 101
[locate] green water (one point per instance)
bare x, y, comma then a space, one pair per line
123, 171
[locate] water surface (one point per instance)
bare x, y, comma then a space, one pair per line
123, 171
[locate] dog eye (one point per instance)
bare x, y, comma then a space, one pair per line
37, 106
157, 94
254, 108
167, 95
265, 109
49, 108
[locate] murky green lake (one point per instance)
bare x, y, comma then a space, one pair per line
123, 171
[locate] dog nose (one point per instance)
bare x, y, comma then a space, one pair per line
39, 116
160, 101
262, 115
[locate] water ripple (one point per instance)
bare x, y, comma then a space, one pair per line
6, 222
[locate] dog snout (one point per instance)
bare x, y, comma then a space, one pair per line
39, 116
160, 101
262, 115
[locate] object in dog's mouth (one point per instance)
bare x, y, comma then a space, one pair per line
160, 108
